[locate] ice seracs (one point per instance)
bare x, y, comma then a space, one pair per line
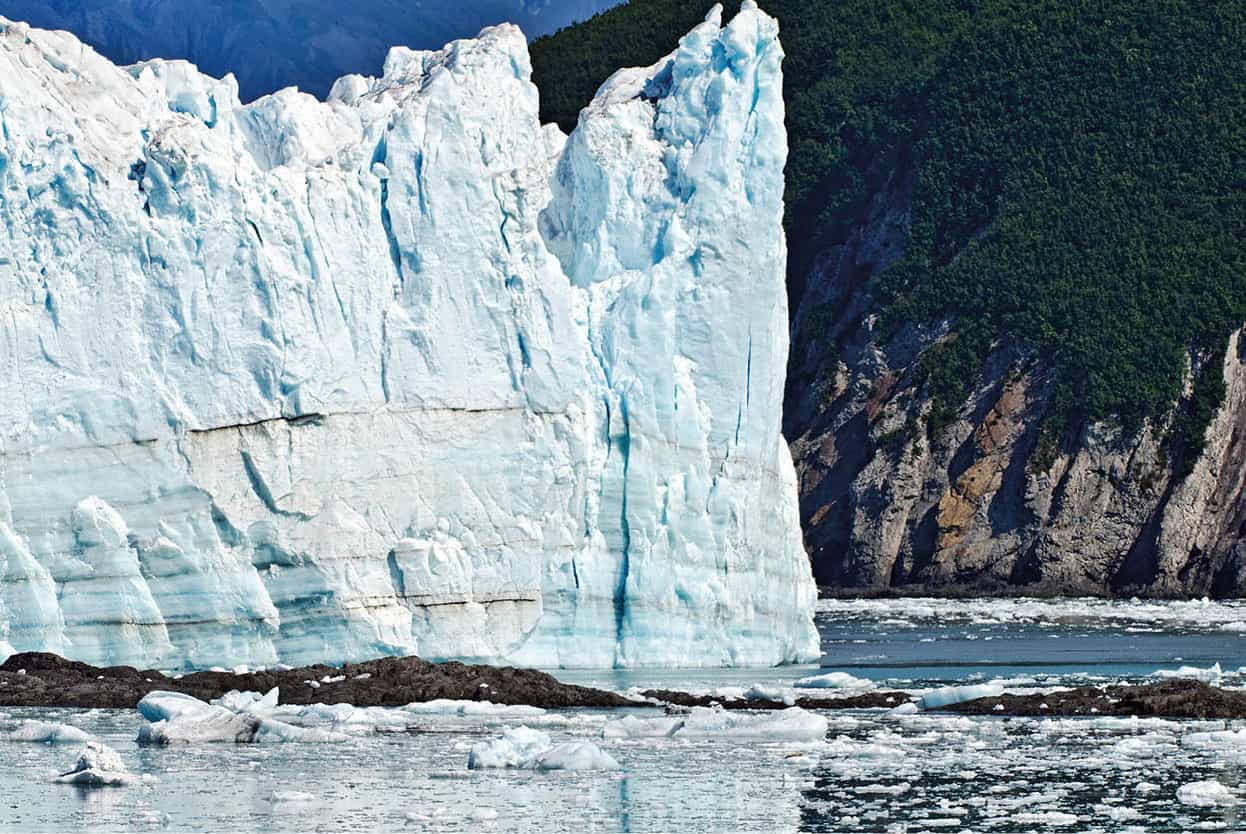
401, 372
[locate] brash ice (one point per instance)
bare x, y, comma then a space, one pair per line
400, 372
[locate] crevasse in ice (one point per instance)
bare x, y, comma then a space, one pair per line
401, 372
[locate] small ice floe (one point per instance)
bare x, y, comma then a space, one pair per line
834, 680
949, 695
792, 724
290, 798
181, 719
1205, 794
528, 749
1209, 675
46, 732
97, 766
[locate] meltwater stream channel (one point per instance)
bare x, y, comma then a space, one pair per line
871, 771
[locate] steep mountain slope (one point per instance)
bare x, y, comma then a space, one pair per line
399, 372
270, 44
1017, 261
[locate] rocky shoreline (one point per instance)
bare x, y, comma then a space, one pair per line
1181, 698
36, 679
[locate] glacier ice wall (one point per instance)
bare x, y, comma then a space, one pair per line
401, 372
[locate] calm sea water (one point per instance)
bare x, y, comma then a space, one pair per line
874, 771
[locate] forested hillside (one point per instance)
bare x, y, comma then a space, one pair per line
1039, 198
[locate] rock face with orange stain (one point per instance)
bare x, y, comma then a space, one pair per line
994, 500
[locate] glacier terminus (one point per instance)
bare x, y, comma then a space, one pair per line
398, 372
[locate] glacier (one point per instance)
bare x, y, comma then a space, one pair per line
398, 372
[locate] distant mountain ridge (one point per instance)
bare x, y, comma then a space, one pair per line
270, 44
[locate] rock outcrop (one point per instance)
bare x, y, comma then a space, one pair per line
993, 502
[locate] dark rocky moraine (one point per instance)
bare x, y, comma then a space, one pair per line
36, 679
1165, 699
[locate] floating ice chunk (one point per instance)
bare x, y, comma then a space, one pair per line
443, 706
523, 747
253, 702
760, 692
284, 797
1058, 819
1209, 675
97, 766
907, 708
631, 726
575, 755
513, 749
47, 732
883, 790
1205, 794
959, 694
834, 680
792, 724
276, 732
214, 725
1225, 741
182, 719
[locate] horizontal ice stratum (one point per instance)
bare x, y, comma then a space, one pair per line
400, 372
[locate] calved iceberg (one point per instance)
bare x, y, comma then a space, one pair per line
400, 372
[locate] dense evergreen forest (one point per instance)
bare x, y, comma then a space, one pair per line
1078, 169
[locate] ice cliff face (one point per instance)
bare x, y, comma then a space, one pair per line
398, 372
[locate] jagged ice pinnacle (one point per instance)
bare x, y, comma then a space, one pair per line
401, 372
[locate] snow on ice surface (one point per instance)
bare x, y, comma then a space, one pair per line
401, 372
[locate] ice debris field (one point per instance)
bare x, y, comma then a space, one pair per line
474, 766
452, 768
398, 372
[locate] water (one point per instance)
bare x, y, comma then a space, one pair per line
873, 771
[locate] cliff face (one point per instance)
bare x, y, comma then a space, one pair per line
995, 501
